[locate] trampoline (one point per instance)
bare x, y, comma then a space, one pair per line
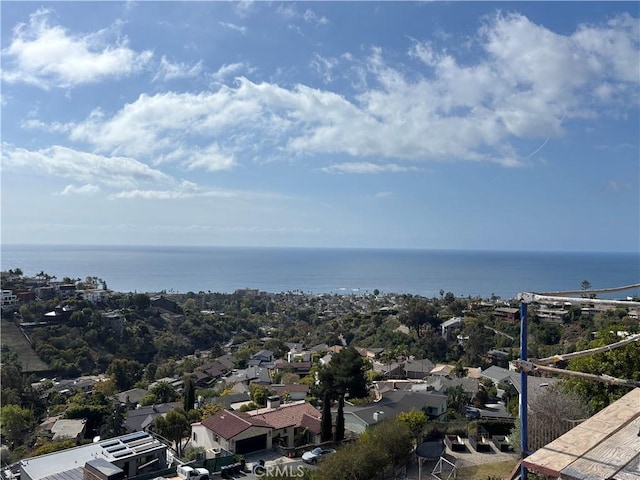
432, 450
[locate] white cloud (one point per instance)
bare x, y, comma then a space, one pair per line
229, 70
188, 190
325, 66
310, 16
384, 195
87, 189
366, 167
114, 172
234, 27
49, 56
210, 158
172, 71
530, 84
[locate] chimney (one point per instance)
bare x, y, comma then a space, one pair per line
273, 401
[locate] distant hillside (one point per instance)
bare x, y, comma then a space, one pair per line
12, 337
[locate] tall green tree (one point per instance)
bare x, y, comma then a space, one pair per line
340, 419
348, 370
189, 394
326, 423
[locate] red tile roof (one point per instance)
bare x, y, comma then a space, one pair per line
228, 424
312, 424
288, 415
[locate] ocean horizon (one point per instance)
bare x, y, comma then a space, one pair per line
329, 270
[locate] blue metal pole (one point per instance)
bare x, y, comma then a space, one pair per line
524, 439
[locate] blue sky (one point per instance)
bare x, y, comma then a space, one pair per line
446, 125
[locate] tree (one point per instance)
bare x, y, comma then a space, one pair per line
209, 409
175, 426
457, 397
15, 422
415, 421
551, 412
340, 419
326, 425
189, 394
259, 394
125, 373
458, 370
418, 313
623, 362
164, 393
347, 368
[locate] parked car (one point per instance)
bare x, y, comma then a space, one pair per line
471, 413
317, 454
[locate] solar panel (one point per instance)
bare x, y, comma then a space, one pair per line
133, 436
116, 448
124, 453
110, 443
140, 442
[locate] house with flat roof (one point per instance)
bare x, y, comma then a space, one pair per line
127, 456
448, 326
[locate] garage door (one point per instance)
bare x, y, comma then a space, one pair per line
252, 444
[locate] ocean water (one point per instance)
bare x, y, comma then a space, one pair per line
314, 270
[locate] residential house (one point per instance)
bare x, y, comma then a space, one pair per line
300, 368
509, 314
292, 424
265, 356
440, 384
293, 391
9, 301
227, 360
131, 398
418, 368
175, 382
240, 433
371, 353
442, 370
69, 429
215, 369
448, 326
164, 303
498, 357
121, 457
250, 375
392, 369
555, 313
498, 374
233, 401
229, 431
358, 418
320, 348
141, 419
95, 295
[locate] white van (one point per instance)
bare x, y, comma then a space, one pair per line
190, 473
